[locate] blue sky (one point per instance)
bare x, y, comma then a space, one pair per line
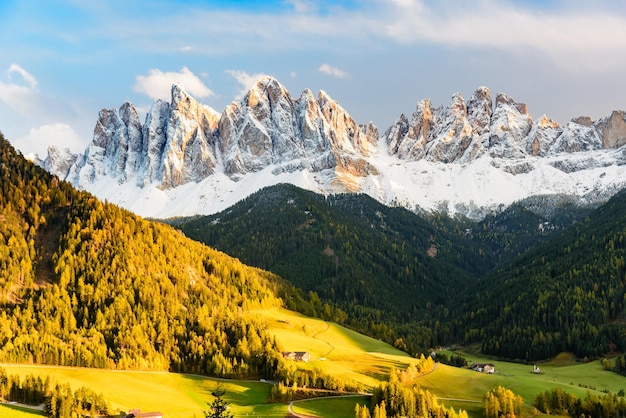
62, 61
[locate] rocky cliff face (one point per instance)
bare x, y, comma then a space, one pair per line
174, 145
270, 136
259, 129
612, 130
269, 128
154, 140
59, 161
117, 144
463, 131
185, 141
191, 151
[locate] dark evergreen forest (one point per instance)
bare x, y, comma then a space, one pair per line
524, 285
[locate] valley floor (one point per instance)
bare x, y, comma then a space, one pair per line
337, 351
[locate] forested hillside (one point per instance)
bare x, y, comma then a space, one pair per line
523, 226
85, 283
419, 281
384, 267
567, 294
393, 272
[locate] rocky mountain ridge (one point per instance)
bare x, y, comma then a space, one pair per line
468, 157
463, 132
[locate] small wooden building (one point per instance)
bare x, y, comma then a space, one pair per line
136, 413
304, 356
483, 368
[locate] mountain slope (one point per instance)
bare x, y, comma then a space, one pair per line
417, 281
470, 157
88, 283
564, 295
524, 225
324, 242
85, 283
380, 265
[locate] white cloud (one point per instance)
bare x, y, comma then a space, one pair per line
24, 106
158, 84
302, 6
20, 97
567, 34
247, 81
559, 29
406, 3
14, 68
332, 71
39, 139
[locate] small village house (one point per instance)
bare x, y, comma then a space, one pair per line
483, 368
136, 413
304, 356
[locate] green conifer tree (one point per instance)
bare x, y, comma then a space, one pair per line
219, 407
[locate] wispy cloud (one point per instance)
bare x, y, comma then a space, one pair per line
561, 30
27, 105
303, 6
26, 76
563, 33
245, 80
21, 97
158, 84
332, 71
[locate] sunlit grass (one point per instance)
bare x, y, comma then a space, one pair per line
338, 352
336, 407
335, 349
175, 395
575, 378
11, 411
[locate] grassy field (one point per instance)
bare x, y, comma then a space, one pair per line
337, 351
342, 352
565, 372
336, 407
11, 411
175, 395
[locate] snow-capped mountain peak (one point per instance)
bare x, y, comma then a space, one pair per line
468, 157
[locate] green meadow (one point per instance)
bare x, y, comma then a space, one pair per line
12, 411
175, 395
462, 388
575, 377
333, 348
337, 351
336, 407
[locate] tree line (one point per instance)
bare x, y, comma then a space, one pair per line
401, 396
558, 402
59, 400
